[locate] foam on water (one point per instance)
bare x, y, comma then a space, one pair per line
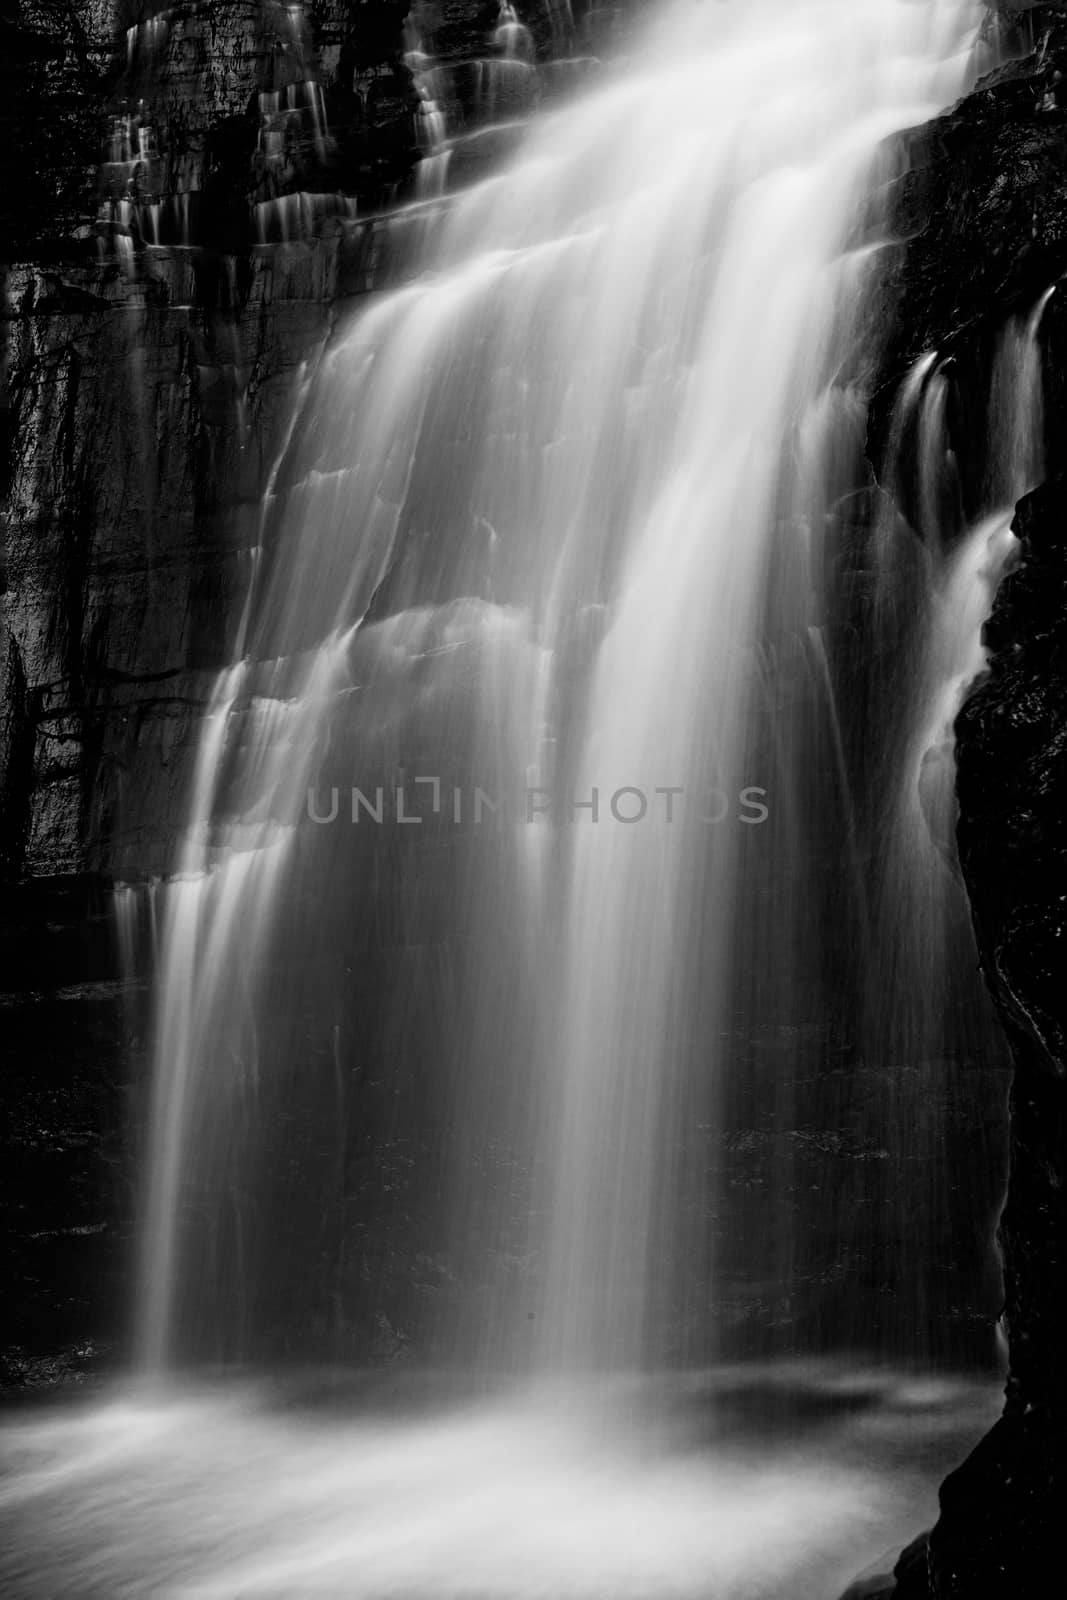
624, 1492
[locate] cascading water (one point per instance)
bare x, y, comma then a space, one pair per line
962, 566
561, 967
552, 528
964, 575
934, 596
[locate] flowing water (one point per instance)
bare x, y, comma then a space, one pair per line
543, 578
751, 1484
565, 971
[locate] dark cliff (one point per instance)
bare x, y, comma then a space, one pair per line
1000, 1510
146, 384
193, 200
983, 211
198, 192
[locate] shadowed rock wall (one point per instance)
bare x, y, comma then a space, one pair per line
983, 211
197, 194
152, 348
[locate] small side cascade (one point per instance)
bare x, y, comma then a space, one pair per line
936, 486
951, 595
153, 178
308, 94
288, 118
432, 86
512, 38
461, 100
560, 14
908, 414
136, 920
291, 217
135, 911
1016, 409
145, 42
135, 212
967, 575
292, 119
962, 600
507, 80
936, 570
912, 479
149, 197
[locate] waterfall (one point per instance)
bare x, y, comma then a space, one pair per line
510, 826
965, 575
962, 567
940, 596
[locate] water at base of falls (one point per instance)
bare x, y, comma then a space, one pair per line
755, 1483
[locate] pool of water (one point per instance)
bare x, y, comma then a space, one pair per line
756, 1483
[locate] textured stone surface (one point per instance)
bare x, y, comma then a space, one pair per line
55, 67
982, 215
148, 390
221, 108
149, 387
151, 352
193, 205
1000, 1511
983, 210
120, 580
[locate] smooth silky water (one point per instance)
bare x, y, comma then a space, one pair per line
555, 989
767, 1483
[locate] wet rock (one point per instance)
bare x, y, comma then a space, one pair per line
219, 111
908, 1580
148, 386
1013, 783
999, 1525
64, 1094
141, 427
151, 374
55, 63
998, 1530
981, 211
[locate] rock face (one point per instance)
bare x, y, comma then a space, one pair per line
1000, 1509
999, 1532
223, 112
150, 370
197, 196
983, 216
55, 66
984, 209
160, 305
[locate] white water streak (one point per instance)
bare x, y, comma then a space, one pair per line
599, 423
